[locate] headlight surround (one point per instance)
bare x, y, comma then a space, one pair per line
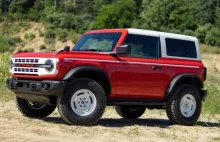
49, 65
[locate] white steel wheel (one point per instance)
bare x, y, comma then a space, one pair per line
83, 102
188, 105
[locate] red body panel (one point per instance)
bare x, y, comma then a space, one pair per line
129, 77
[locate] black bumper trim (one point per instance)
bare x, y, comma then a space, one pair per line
44, 87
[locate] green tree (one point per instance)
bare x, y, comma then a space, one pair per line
117, 15
19, 8
217, 17
155, 14
182, 15
36, 11
206, 11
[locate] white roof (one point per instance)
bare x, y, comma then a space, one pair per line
158, 34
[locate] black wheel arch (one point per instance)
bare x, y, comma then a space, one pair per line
91, 72
186, 79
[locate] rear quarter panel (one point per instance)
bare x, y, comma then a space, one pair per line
175, 67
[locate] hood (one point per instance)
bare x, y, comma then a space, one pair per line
35, 54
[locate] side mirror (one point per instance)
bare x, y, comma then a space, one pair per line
123, 49
67, 48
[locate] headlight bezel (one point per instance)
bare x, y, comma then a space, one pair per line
49, 65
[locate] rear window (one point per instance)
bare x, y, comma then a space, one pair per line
181, 48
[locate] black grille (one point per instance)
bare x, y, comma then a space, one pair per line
26, 60
29, 70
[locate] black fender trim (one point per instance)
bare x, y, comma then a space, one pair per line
178, 78
76, 70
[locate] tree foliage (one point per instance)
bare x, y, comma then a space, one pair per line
199, 18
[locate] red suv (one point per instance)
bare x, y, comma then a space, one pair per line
131, 69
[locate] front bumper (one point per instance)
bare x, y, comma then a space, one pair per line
36, 91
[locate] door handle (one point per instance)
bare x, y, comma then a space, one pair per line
156, 67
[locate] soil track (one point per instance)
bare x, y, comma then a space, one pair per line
153, 126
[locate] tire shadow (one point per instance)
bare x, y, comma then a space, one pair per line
117, 122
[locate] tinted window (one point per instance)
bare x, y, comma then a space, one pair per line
181, 48
143, 46
103, 42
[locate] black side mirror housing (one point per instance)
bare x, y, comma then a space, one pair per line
122, 50
67, 48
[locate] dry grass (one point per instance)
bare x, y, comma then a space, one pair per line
153, 126
209, 49
37, 29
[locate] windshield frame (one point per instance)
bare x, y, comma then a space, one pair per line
79, 45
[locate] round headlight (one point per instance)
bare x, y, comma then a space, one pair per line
49, 65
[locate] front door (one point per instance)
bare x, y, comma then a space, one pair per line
140, 74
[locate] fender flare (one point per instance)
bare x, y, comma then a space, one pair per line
76, 70
179, 78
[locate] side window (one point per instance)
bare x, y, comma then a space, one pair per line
143, 46
181, 48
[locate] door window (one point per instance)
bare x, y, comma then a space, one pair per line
143, 46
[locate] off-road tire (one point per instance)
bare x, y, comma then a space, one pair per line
25, 108
64, 102
173, 105
128, 113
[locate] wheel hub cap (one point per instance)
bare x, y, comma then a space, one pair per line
188, 105
83, 102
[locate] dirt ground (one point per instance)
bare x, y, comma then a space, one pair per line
152, 126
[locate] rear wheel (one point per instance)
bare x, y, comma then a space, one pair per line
184, 105
32, 109
83, 102
130, 112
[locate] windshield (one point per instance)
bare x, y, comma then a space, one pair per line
102, 42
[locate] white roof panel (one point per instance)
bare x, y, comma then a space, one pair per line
157, 34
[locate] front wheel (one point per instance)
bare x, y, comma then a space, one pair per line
83, 102
32, 109
184, 105
130, 112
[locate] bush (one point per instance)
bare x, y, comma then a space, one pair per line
74, 36
212, 37
202, 31
10, 28
175, 31
24, 24
42, 47
14, 40
32, 36
211, 104
26, 36
4, 65
50, 34
62, 35
189, 33
4, 44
